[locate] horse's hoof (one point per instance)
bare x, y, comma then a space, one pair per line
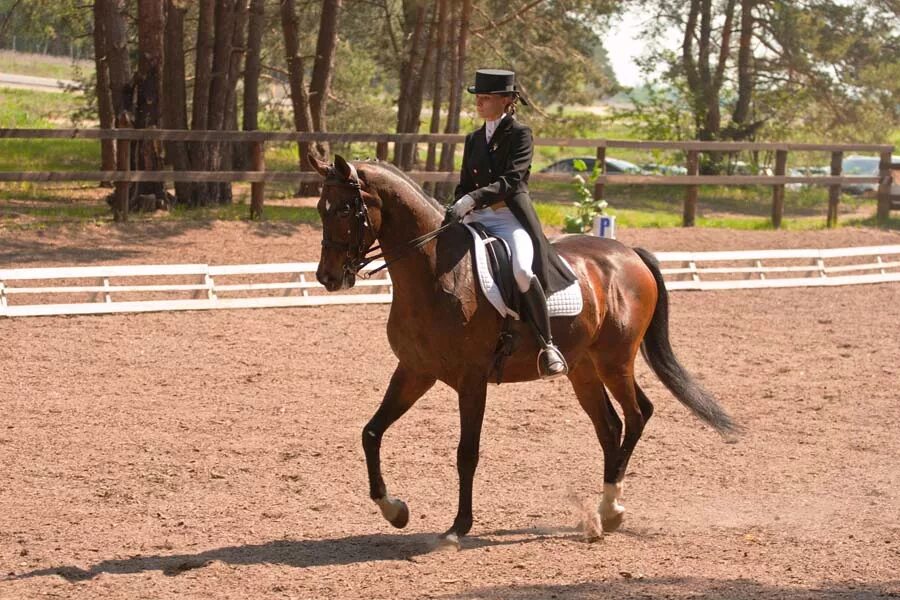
401, 519
394, 510
449, 540
613, 521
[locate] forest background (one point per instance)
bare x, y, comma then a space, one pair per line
807, 70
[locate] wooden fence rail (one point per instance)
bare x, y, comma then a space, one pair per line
888, 179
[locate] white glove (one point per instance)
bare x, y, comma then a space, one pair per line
464, 205
459, 209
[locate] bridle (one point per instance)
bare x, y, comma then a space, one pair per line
356, 252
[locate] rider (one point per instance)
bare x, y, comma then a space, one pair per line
493, 191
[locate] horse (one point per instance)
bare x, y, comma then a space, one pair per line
441, 328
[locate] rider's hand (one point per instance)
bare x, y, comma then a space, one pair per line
459, 209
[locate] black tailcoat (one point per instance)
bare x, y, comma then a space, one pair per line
497, 175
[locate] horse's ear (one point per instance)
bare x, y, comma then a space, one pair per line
343, 167
318, 165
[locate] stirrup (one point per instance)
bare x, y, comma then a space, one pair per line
554, 368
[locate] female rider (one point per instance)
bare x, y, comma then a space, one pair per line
493, 191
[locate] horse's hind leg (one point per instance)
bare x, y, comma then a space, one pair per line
637, 409
594, 400
405, 388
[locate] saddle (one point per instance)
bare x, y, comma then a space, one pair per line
493, 271
498, 282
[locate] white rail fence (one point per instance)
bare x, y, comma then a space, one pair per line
150, 288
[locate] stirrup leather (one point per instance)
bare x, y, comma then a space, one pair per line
546, 373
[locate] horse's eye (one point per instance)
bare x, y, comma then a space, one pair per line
344, 211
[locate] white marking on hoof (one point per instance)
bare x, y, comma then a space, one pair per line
611, 511
391, 508
449, 541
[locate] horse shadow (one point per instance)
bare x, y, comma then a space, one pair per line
297, 553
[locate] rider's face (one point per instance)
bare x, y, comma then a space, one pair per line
490, 106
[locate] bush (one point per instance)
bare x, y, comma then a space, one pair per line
586, 207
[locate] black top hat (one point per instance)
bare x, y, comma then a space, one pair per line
495, 81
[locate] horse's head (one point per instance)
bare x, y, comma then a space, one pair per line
351, 219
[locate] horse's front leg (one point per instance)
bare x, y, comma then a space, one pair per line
472, 395
405, 388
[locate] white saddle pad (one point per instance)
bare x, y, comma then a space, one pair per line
564, 303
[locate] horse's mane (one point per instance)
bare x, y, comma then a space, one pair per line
397, 172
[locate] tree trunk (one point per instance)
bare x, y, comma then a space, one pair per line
104, 96
175, 97
299, 94
323, 67
250, 121
414, 32
200, 105
740, 117
235, 67
426, 72
228, 51
148, 88
112, 13
448, 151
437, 94
218, 88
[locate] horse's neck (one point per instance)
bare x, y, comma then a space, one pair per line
405, 216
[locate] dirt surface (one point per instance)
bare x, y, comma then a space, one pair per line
217, 455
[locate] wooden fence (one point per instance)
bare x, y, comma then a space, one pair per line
148, 288
692, 150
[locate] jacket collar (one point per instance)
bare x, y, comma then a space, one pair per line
502, 129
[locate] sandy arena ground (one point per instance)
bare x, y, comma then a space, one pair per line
217, 455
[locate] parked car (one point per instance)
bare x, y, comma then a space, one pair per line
860, 166
614, 166
664, 169
806, 172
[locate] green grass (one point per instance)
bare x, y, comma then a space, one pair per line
49, 155
554, 216
36, 110
41, 65
27, 109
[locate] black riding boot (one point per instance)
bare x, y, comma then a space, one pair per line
551, 363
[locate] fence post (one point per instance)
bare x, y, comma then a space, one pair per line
381, 150
257, 188
123, 165
601, 164
884, 189
834, 190
778, 188
689, 217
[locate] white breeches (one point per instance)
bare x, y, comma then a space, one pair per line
503, 224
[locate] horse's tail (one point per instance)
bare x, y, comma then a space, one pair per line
658, 353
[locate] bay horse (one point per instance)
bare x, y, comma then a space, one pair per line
441, 328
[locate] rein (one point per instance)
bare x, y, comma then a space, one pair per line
358, 255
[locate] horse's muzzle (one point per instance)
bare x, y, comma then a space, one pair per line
334, 283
